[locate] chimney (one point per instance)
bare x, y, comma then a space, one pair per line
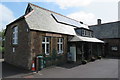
99, 21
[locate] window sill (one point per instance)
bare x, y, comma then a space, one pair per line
60, 53
14, 44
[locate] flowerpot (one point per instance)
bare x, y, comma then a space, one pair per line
84, 61
99, 57
92, 58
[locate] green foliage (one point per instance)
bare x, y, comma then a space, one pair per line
1, 49
99, 57
92, 58
84, 61
54, 54
2, 33
1, 36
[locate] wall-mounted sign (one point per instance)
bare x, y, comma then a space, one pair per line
114, 48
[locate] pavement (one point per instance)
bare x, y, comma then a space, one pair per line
10, 71
104, 68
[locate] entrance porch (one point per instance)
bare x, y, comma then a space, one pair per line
85, 48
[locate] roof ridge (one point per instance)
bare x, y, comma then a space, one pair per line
53, 12
104, 23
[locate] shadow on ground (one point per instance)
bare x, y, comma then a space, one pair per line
10, 70
70, 65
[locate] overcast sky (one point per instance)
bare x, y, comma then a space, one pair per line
87, 11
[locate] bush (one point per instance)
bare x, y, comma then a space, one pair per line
92, 58
1, 49
99, 57
84, 61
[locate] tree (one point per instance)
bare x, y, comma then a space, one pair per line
2, 40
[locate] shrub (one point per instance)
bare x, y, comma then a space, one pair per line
1, 49
84, 61
92, 58
99, 57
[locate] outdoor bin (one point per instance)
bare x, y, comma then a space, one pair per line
40, 62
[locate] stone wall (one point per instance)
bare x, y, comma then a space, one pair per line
21, 55
36, 46
112, 43
108, 30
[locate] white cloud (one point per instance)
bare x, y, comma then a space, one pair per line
105, 1
77, 3
70, 3
22, 0
87, 18
6, 16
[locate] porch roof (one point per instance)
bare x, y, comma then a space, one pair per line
77, 38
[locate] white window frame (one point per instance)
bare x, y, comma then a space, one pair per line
13, 49
45, 43
60, 50
15, 35
114, 48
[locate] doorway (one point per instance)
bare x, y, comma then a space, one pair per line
73, 53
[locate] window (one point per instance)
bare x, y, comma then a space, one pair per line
86, 33
46, 45
15, 35
13, 49
60, 45
90, 34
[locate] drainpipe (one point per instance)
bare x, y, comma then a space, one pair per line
97, 50
37, 62
82, 52
91, 49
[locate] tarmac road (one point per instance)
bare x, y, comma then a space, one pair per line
105, 68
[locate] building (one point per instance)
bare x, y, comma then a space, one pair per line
41, 32
110, 34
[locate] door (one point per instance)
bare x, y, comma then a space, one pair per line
73, 53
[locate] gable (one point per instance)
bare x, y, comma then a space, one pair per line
29, 9
42, 20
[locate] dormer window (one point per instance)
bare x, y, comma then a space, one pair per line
15, 35
84, 32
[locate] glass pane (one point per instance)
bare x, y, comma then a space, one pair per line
48, 39
60, 39
13, 41
58, 47
48, 48
13, 35
61, 47
16, 29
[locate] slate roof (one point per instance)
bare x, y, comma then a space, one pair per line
106, 30
77, 38
41, 19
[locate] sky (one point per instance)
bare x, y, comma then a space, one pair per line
87, 11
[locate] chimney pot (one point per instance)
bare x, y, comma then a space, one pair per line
99, 21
